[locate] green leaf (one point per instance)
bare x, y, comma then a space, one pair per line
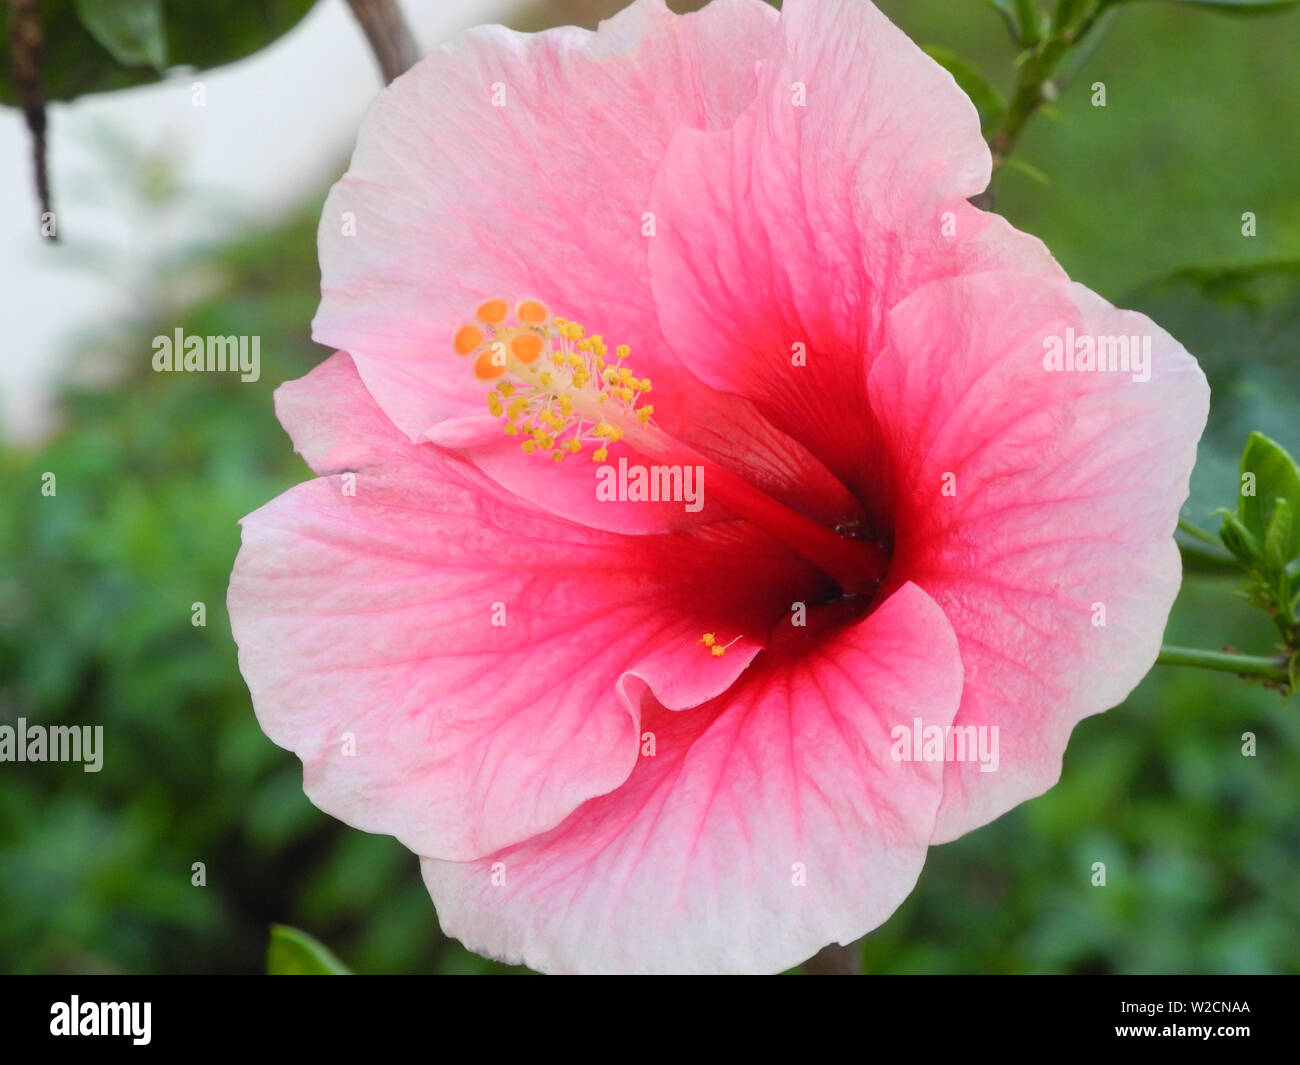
101, 53
987, 100
131, 30
1279, 540
293, 952
1240, 541
1268, 511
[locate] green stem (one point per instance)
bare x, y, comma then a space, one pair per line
1268, 667
1198, 532
1032, 90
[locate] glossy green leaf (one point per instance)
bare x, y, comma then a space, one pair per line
1279, 539
132, 31
102, 45
1269, 498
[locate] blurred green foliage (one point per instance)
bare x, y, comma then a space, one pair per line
1201, 845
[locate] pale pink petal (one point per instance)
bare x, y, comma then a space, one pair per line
789, 235
451, 199
370, 615
694, 864
1067, 491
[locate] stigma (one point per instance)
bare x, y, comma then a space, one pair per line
559, 390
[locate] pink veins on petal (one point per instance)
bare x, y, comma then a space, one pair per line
626, 735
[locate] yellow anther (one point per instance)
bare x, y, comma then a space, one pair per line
708, 639
551, 379
718, 650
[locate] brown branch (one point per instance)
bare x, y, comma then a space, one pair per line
389, 35
27, 54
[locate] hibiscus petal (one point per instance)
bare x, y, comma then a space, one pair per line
458, 192
788, 235
372, 615
694, 864
1067, 491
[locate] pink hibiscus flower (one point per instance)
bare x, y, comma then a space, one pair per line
631, 735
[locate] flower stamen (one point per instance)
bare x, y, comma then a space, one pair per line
559, 391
